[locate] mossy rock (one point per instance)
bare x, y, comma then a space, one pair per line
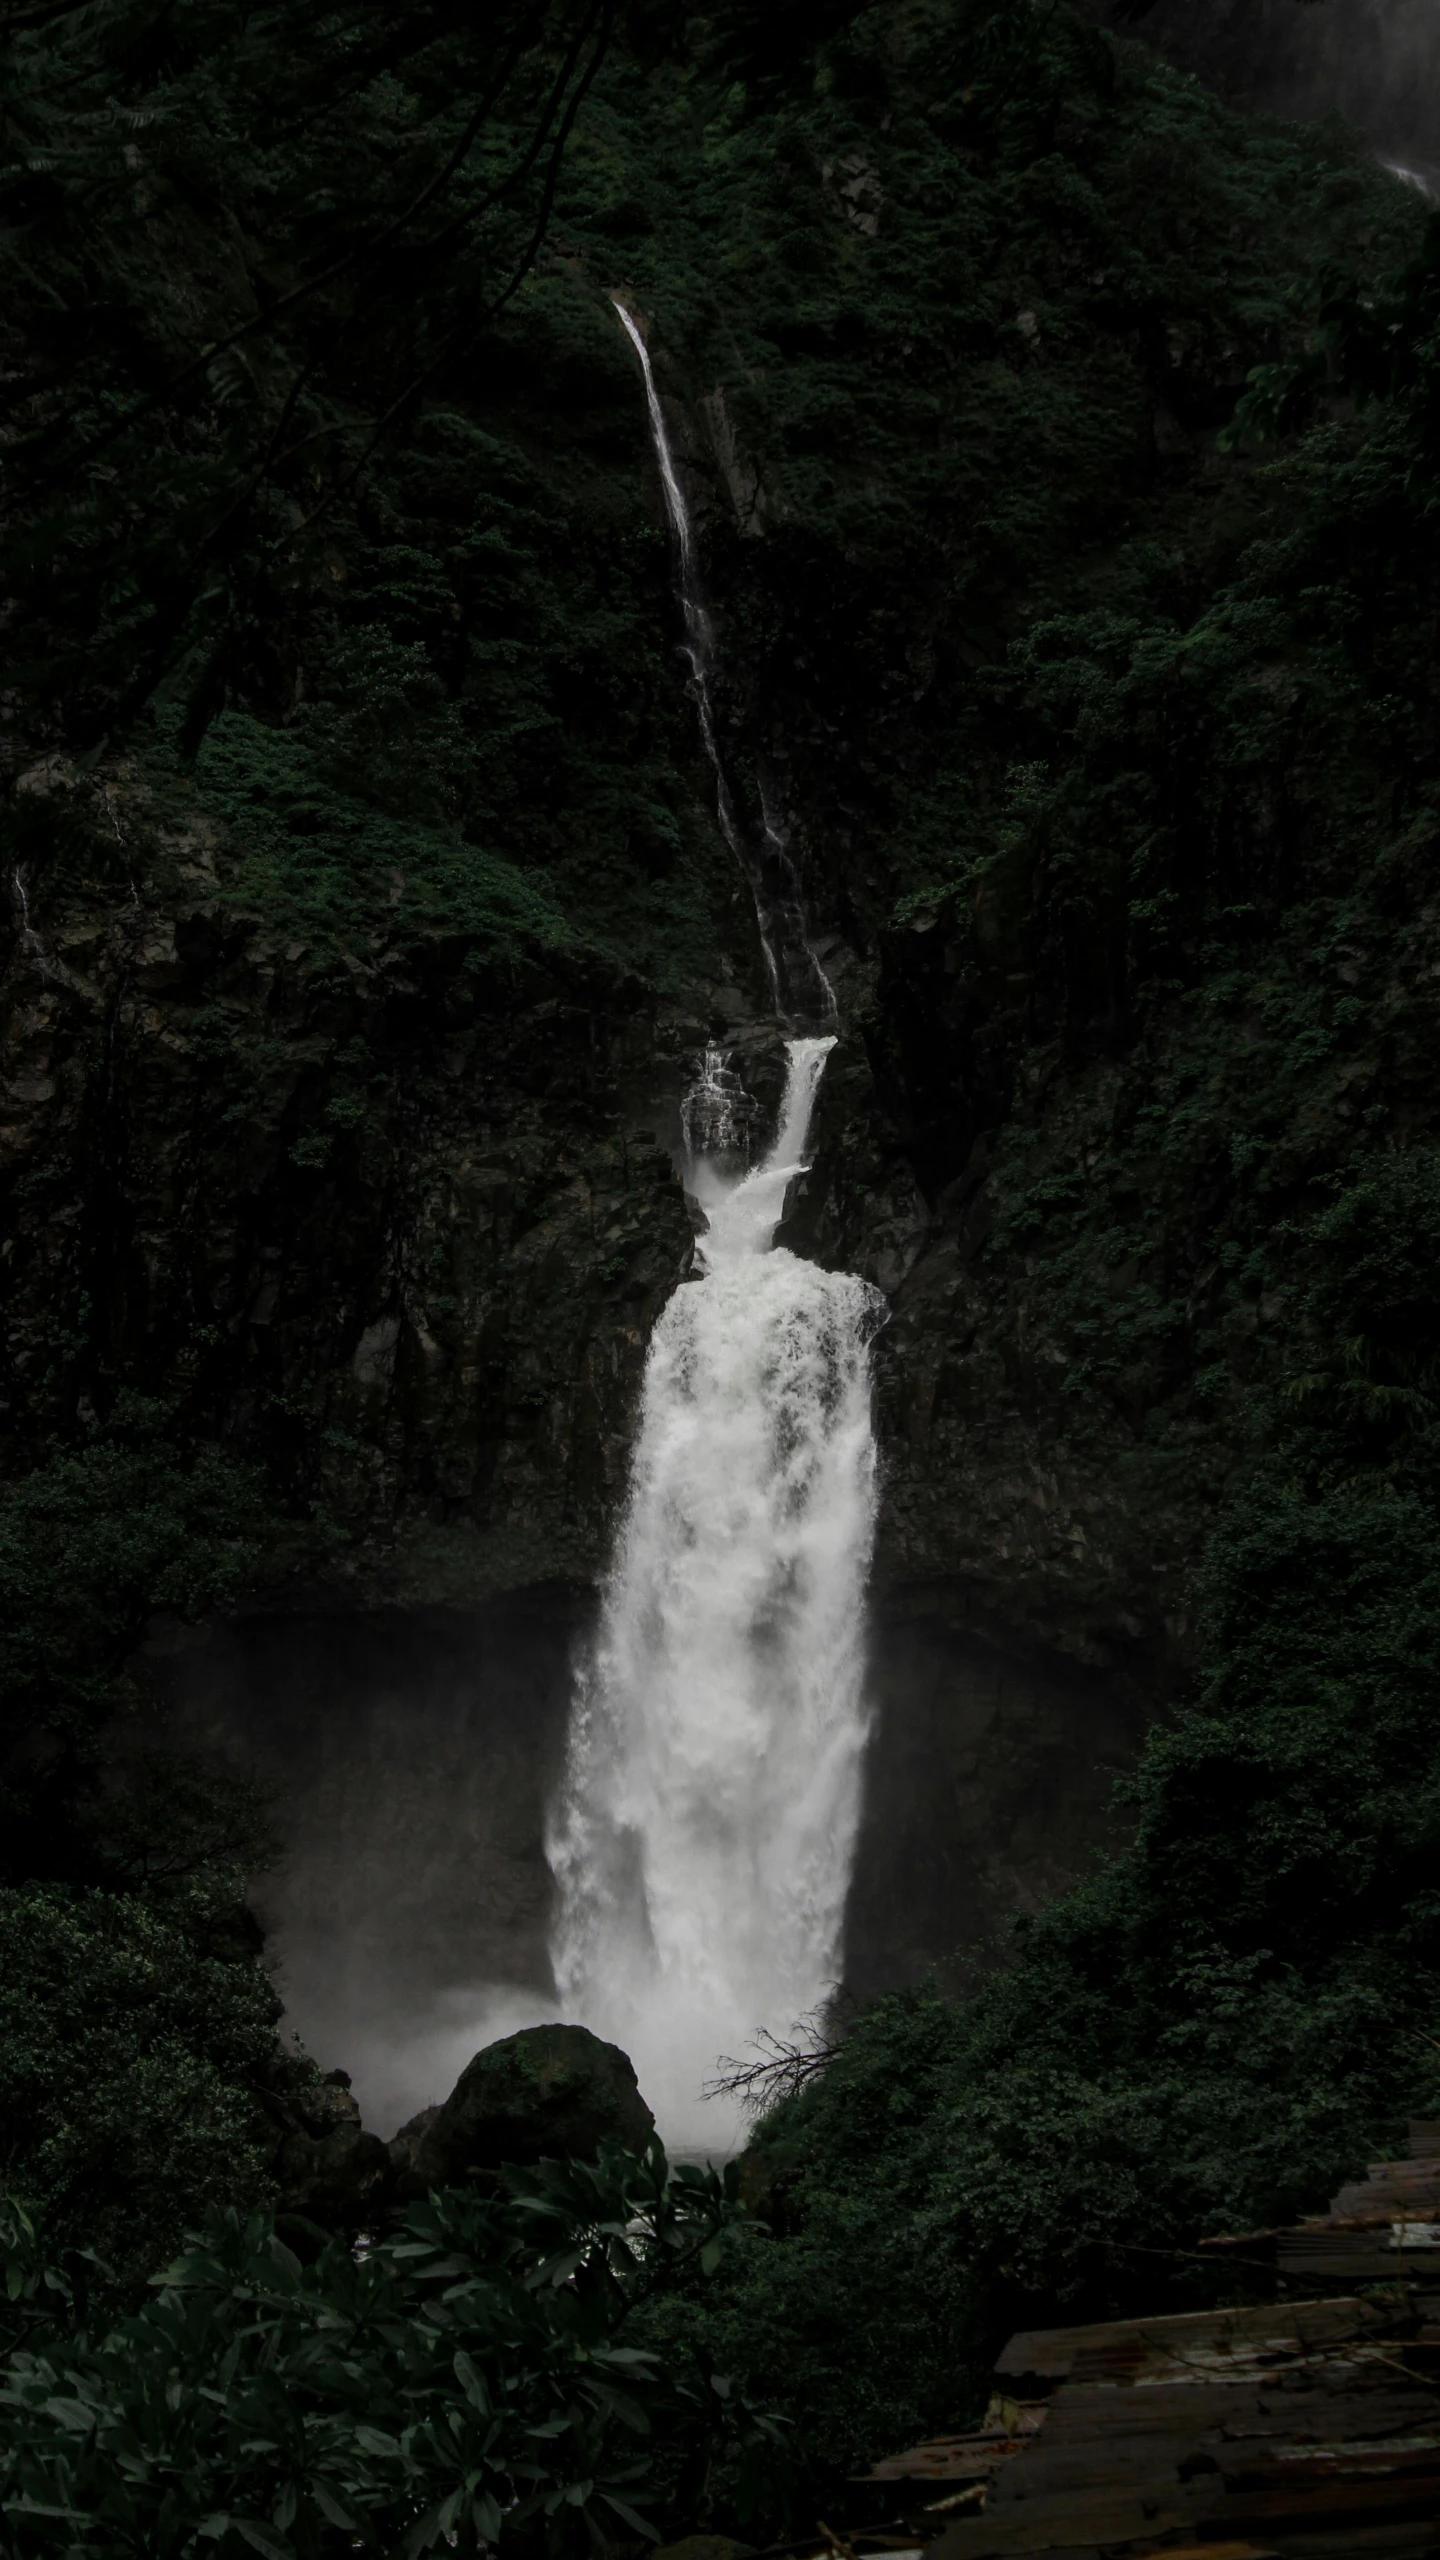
547, 2093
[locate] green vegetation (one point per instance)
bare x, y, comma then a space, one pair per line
137, 2021
1210, 2033
469, 2376
376, 567
136, 2030
1109, 735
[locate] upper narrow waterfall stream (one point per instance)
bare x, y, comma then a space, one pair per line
703, 1837
803, 994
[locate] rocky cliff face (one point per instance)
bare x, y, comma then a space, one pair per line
386, 1192
436, 1312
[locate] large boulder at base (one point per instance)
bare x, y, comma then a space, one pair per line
539, 2095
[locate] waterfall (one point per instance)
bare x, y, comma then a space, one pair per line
802, 992
703, 1838
716, 1113
703, 1835
29, 938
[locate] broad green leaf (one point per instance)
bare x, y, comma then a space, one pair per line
630, 2515
272, 2546
472, 2383
331, 2508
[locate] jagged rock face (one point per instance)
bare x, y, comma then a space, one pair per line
438, 1286
989, 1781
430, 1285
327, 2168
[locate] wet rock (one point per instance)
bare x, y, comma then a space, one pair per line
546, 2093
404, 2146
340, 2179
329, 2170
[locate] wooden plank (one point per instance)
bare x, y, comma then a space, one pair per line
1050, 2354
1354, 2500
1225, 2435
950, 2458
1223, 2551
1099, 2515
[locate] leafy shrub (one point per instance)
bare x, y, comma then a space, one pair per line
137, 2020
465, 2383
94, 1541
1224, 2021
135, 2032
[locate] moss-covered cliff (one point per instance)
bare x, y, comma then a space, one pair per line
354, 968
367, 902
340, 1056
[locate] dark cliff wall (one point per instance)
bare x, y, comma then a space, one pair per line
343, 1060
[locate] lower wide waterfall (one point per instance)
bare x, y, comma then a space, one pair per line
703, 1838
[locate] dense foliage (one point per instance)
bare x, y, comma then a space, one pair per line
238, 247
1109, 740
136, 2031
275, 278
1209, 2034
94, 1542
137, 2021
468, 2382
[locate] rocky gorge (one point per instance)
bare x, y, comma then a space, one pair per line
375, 1168
719, 1227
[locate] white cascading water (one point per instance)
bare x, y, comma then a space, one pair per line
704, 1836
704, 1833
30, 939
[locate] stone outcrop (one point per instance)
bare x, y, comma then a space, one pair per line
327, 2168
552, 2092
548, 2092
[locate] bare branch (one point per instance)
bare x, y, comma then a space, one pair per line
784, 2065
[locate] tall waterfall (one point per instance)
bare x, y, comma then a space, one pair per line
703, 1836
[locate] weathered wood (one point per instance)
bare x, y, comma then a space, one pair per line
1276, 2332
1256, 2433
970, 2457
1279, 2421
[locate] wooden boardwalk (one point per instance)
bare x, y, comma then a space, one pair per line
1295, 2427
